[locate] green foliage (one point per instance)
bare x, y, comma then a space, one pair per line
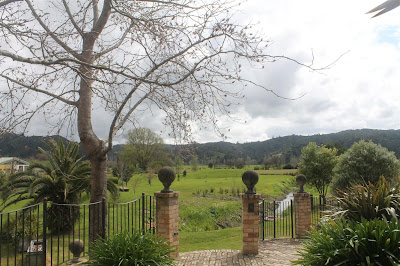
365, 162
114, 180
341, 242
317, 163
196, 218
61, 181
288, 166
143, 147
369, 202
210, 165
126, 249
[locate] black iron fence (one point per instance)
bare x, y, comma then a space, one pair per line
277, 218
41, 234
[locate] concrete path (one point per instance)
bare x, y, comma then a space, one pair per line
271, 252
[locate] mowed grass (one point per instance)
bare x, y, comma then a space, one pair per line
207, 179
229, 238
189, 186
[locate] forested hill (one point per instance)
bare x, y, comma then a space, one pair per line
14, 145
289, 146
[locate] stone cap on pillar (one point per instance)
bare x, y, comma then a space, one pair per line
173, 194
250, 196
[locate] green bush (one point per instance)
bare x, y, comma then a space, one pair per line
130, 249
365, 162
340, 242
369, 201
288, 166
115, 180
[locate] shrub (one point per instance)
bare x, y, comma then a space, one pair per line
256, 168
317, 164
114, 180
365, 162
288, 166
130, 249
369, 202
339, 242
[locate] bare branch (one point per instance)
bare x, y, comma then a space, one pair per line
33, 88
6, 2
71, 18
51, 33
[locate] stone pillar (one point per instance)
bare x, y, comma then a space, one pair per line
167, 218
302, 211
251, 223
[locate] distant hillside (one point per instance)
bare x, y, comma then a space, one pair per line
289, 146
13, 145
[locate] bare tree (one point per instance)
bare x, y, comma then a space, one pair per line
60, 58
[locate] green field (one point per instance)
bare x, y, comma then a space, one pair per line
208, 201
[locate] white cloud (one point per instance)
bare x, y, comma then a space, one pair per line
360, 90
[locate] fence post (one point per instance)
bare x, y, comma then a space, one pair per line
167, 218
103, 217
44, 246
302, 211
251, 225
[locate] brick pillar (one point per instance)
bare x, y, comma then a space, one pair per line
167, 218
302, 211
251, 223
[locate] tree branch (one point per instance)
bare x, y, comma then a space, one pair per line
29, 87
51, 33
72, 18
6, 2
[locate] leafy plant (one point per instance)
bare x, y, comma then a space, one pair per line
341, 242
317, 164
61, 181
369, 202
365, 162
128, 249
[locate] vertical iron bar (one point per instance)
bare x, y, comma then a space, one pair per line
274, 221
44, 246
291, 215
16, 238
263, 216
103, 218
143, 196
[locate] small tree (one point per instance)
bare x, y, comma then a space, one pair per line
195, 163
365, 162
143, 147
317, 163
123, 170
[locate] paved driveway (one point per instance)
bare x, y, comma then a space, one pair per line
271, 252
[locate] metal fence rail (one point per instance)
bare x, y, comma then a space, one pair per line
277, 218
42, 233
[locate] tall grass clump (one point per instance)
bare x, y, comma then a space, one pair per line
127, 249
341, 242
364, 230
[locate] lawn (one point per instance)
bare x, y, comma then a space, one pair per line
210, 197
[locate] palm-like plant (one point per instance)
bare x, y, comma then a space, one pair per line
61, 181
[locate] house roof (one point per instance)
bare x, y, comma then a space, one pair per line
8, 160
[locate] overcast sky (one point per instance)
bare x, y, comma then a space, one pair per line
361, 90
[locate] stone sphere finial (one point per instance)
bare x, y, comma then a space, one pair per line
250, 179
166, 175
301, 180
76, 247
